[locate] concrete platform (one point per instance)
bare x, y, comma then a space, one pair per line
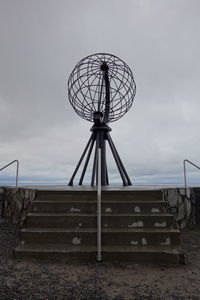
133, 187
136, 225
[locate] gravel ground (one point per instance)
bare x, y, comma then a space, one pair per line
30, 279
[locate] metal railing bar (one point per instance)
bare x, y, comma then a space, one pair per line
184, 169
99, 256
17, 170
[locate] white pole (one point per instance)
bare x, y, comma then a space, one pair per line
99, 258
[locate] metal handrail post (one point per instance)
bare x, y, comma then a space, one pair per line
184, 169
99, 256
17, 171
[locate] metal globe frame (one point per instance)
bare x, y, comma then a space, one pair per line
101, 89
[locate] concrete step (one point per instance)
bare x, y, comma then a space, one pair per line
108, 220
77, 206
144, 254
135, 227
112, 236
116, 195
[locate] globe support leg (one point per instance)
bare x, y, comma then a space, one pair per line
107, 180
103, 158
86, 162
80, 161
100, 134
100, 143
121, 168
94, 169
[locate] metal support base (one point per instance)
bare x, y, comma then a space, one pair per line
100, 134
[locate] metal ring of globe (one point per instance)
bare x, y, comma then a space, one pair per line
87, 87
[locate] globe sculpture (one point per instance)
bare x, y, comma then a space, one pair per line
101, 89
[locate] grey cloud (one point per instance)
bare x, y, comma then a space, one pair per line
41, 42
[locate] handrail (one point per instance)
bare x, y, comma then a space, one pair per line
184, 169
17, 171
99, 257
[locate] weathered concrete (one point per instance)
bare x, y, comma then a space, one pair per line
90, 195
112, 236
135, 226
140, 254
78, 206
72, 220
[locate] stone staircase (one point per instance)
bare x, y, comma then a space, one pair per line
135, 227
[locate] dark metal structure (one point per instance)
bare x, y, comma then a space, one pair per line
101, 89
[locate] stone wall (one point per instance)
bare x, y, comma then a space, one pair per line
1, 201
181, 203
17, 202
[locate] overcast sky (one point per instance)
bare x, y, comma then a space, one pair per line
40, 43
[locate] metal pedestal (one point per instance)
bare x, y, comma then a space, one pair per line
100, 134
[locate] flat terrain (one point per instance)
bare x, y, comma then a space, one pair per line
30, 279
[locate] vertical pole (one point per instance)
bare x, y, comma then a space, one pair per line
184, 168
99, 258
103, 159
17, 172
